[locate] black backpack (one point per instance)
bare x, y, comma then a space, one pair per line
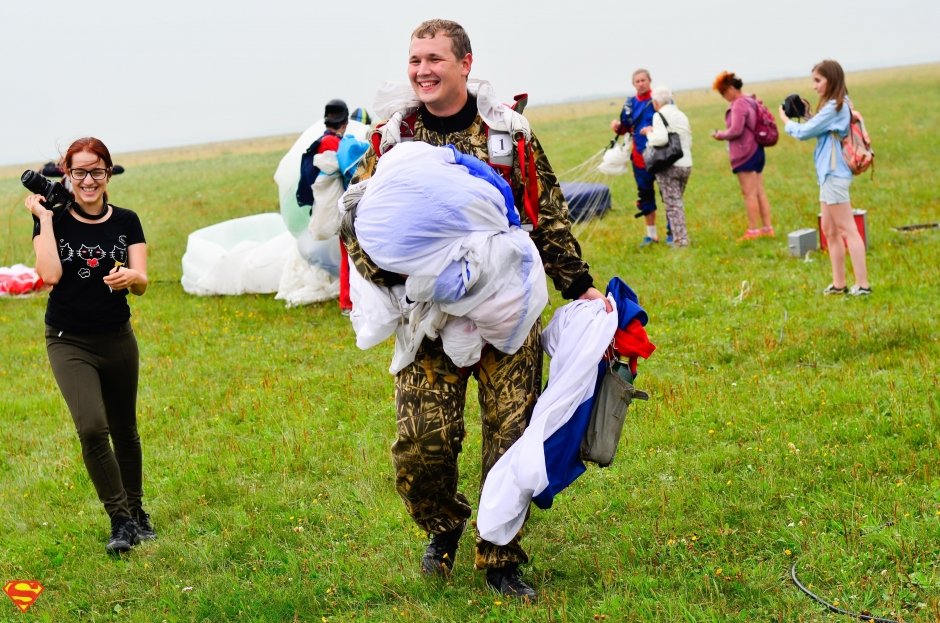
309, 172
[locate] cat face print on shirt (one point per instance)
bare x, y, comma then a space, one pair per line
92, 257
65, 251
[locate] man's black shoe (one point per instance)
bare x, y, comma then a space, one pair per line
145, 531
123, 535
508, 581
439, 556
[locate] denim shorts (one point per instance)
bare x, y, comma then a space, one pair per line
834, 190
754, 164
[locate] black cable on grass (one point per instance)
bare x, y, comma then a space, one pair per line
831, 607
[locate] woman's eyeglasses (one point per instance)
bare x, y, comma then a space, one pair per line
96, 174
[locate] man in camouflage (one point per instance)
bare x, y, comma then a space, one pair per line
430, 393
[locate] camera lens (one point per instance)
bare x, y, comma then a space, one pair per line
36, 183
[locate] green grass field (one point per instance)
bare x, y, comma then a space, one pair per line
784, 427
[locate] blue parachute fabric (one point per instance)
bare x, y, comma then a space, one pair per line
563, 449
451, 284
480, 169
628, 304
350, 152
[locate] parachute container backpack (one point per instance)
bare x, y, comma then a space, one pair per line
856, 146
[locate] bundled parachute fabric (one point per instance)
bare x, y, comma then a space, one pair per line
616, 158
19, 279
448, 222
327, 189
547, 458
576, 339
311, 271
287, 175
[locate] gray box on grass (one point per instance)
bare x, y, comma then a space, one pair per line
802, 241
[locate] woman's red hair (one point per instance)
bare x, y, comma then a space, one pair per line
90, 144
726, 79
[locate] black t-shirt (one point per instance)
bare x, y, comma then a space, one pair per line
81, 302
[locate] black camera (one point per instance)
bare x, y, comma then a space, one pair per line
795, 107
55, 196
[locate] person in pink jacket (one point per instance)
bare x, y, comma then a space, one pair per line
747, 157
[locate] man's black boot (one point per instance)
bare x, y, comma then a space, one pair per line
439, 556
508, 581
123, 535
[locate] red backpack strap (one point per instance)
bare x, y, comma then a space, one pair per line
530, 182
527, 171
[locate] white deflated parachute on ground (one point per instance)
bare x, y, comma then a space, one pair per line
447, 221
240, 256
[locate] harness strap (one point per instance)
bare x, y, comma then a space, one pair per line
837, 141
530, 182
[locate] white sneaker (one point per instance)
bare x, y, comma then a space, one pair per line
859, 291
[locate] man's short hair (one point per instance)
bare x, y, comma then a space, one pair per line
459, 40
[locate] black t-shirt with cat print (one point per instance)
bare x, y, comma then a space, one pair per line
81, 302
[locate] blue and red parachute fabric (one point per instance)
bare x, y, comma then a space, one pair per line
546, 459
563, 449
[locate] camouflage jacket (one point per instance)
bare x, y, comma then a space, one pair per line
558, 248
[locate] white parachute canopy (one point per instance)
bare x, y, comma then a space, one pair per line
239, 256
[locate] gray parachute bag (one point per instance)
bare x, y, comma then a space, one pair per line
609, 413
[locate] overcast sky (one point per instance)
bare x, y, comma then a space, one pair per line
176, 72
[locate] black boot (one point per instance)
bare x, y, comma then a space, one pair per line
439, 556
508, 581
145, 530
123, 535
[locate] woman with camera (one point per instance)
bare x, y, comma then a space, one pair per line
828, 126
94, 253
672, 180
747, 157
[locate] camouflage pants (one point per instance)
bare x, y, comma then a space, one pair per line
429, 396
